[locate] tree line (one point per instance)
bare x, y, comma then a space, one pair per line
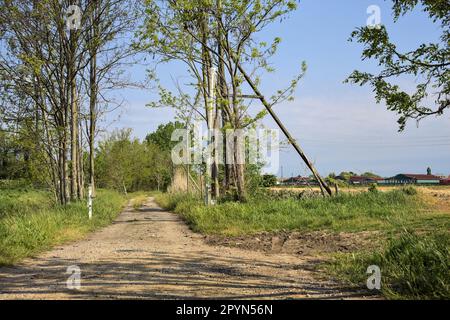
56, 66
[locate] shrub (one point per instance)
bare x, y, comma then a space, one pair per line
409, 190
373, 187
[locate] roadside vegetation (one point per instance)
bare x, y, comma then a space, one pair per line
346, 212
413, 266
414, 263
32, 219
31, 222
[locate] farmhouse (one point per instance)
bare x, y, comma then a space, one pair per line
298, 181
362, 180
406, 178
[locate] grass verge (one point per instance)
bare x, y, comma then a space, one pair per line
344, 213
412, 266
31, 223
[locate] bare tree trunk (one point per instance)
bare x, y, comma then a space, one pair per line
74, 192
74, 142
124, 188
239, 168
207, 94
223, 97
61, 175
215, 166
66, 172
93, 97
80, 165
92, 120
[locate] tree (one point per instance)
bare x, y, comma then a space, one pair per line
269, 180
161, 142
43, 66
36, 73
108, 22
120, 160
163, 135
370, 175
347, 175
428, 65
126, 164
222, 34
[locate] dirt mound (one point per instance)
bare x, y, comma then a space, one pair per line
299, 243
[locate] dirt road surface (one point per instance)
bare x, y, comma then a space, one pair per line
151, 254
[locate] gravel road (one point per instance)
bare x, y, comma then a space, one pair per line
151, 254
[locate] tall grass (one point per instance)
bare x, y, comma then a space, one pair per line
30, 222
347, 212
412, 266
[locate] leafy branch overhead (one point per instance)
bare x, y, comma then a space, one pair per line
428, 65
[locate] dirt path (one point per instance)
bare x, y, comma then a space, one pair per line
151, 254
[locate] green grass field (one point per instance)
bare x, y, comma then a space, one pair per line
30, 222
412, 266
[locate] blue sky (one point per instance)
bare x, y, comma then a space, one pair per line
339, 125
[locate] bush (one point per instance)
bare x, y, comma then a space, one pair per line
409, 190
373, 187
269, 180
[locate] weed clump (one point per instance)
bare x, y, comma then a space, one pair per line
409, 190
373, 187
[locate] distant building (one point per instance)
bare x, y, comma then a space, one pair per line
406, 178
298, 181
362, 180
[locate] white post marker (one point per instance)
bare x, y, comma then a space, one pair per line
90, 202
